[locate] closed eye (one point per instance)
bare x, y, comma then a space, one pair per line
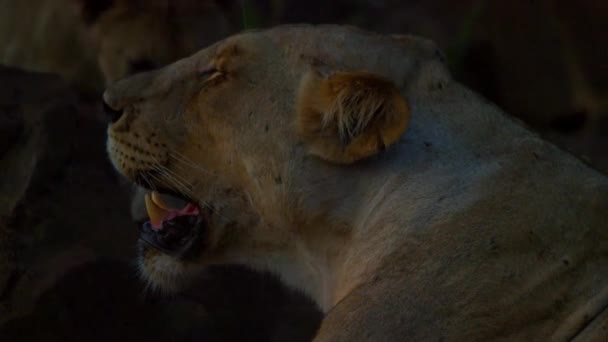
211, 76
207, 73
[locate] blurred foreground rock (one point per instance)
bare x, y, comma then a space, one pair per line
59, 204
67, 241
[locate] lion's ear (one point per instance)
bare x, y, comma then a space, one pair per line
348, 116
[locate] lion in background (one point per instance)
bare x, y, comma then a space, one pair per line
351, 165
94, 42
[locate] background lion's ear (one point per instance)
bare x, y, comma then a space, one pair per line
349, 116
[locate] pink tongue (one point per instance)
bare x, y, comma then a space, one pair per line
189, 210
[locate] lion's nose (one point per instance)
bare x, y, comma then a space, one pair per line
113, 114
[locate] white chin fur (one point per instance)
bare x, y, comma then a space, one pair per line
162, 273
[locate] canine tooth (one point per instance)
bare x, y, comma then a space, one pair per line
159, 201
156, 213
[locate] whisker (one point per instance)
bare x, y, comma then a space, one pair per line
181, 187
190, 194
169, 174
180, 184
186, 161
177, 153
180, 165
172, 176
173, 182
177, 177
182, 158
147, 180
187, 166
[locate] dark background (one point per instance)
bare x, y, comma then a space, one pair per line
66, 234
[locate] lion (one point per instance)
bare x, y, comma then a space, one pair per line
92, 43
121, 31
352, 166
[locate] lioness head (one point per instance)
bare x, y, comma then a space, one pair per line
250, 148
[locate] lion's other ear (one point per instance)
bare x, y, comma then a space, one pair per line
349, 116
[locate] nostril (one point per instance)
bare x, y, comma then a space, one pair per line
112, 113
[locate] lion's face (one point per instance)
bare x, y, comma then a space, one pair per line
252, 134
187, 138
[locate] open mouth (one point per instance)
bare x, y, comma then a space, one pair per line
176, 225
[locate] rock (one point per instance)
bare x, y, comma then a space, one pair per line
58, 206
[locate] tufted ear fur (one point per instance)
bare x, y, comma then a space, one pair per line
349, 116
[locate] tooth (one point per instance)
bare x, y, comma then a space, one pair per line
159, 201
156, 213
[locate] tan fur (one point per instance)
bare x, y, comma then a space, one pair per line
468, 227
350, 115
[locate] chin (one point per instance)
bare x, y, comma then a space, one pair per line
162, 273
170, 242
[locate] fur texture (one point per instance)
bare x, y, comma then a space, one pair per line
349, 115
468, 227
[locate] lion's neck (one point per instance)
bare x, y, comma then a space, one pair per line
312, 272
339, 220
321, 258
